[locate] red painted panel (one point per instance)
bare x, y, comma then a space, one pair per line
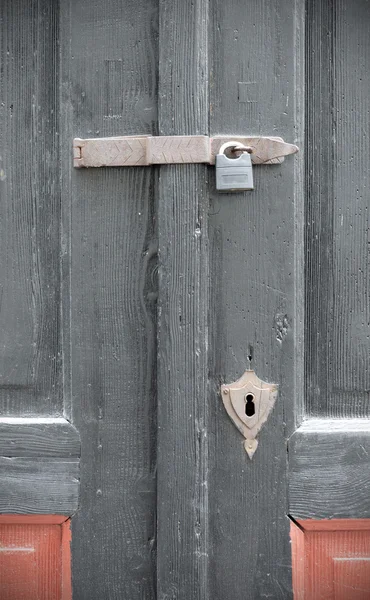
34, 558
331, 559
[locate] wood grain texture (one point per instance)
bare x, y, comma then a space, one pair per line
39, 439
39, 485
34, 560
337, 214
109, 78
66, 573
256, 274
331, 562
183, 545
30, 350
328, 473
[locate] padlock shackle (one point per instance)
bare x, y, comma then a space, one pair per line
227, 145
247, 149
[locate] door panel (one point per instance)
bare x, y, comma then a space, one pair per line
331, 559
328, 455
30, 349
35, 558
337, 209
39, 448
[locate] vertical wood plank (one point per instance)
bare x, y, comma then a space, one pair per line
183, 310
256, 274
109, 79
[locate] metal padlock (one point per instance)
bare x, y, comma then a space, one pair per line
234, 174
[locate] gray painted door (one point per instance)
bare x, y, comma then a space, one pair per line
130, 295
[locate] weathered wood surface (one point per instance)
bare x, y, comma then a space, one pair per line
38, 452
30, 349
39, 485
230, 289
255, 275
180, 149
329, 473
183, 518
337, 215
38, 438
109, 58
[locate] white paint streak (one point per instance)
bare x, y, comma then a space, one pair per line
16, 549
351, 558
335, 425
33, 421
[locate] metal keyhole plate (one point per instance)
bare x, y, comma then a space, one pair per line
249, 401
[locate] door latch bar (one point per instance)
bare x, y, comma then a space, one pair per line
145, 150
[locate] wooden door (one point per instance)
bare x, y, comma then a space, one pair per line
129, 295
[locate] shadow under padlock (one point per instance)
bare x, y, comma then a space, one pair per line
234, 174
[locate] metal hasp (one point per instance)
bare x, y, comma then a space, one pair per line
249, 401
144, 150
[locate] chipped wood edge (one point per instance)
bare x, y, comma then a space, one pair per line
144, 150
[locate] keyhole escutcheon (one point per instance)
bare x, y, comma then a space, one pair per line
250, 409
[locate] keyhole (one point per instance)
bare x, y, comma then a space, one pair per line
249, 405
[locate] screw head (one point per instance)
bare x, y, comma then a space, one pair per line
226, 391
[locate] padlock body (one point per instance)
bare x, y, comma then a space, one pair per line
234, 174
